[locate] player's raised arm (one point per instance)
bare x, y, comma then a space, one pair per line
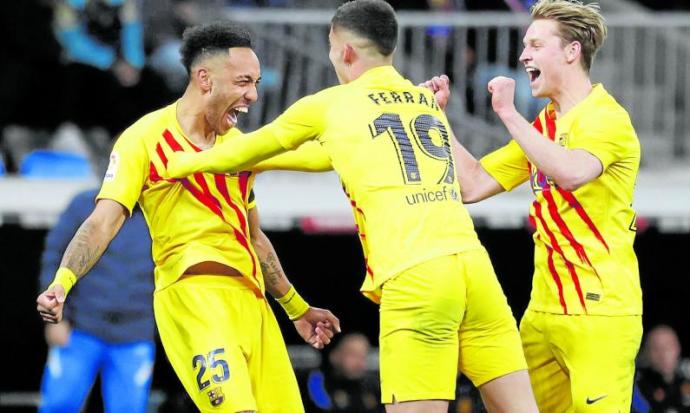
316, 325
569, 168
86, 247
476, 183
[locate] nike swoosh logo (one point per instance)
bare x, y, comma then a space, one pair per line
592, 401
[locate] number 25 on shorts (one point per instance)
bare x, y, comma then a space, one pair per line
214, 361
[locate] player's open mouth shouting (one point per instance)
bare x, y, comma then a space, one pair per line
234, 113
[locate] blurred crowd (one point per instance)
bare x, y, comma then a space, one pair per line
77, 72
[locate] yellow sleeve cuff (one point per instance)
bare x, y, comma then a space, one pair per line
293, 304
66, 278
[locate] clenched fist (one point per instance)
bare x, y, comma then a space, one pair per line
502, 91
50, 304
440, 85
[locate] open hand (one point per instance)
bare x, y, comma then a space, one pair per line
317, 326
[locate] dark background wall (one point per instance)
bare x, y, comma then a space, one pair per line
328, 271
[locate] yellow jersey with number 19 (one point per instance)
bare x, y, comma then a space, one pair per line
191, 220
389, 142
584, 261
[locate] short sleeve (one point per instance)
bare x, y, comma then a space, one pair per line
251, 200
507, 165
609, 136
127, 171
300, 122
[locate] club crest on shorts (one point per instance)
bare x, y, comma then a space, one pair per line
216, 396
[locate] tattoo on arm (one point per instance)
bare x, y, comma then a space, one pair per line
270, 266
84, 250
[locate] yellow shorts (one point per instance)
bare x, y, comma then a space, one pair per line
581, 363
445, 314
225, 346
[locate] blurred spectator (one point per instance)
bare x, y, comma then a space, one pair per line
30, 73
344, 384
108, 327
106, 82
467, 398
666, 4
661, 382
164, 22
30, 58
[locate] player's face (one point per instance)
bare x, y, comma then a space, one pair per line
233, 88
544, 57
336, 55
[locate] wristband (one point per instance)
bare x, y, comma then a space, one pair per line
293, 304
66, 278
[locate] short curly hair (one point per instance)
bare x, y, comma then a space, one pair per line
207, 39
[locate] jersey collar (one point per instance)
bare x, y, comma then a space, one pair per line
377, 74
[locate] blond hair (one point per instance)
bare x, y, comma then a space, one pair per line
577, 22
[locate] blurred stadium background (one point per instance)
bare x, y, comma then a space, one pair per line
46, 159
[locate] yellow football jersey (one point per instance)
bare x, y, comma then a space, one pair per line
584, 262
389, 142
191, 220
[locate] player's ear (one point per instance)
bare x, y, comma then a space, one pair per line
349, 54
202, 77
573, 51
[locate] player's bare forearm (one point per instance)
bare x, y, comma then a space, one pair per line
276, 282
570, 169
93, 237
84, 250
475, 183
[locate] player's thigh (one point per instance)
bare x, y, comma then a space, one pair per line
207, 325
70, 373
127, 369
490, 344
275, 384
600, 353
548, 375
421, 310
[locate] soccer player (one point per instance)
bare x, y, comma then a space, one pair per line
441, 304
212, 261
583, 327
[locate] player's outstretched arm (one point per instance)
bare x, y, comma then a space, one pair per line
86, 247
233, 155
475, 183
570, 169
315, 325
308, 157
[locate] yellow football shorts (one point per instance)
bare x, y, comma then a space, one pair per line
581, 363
225, 346
445, 314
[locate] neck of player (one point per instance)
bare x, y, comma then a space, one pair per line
190, 115
573, 89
